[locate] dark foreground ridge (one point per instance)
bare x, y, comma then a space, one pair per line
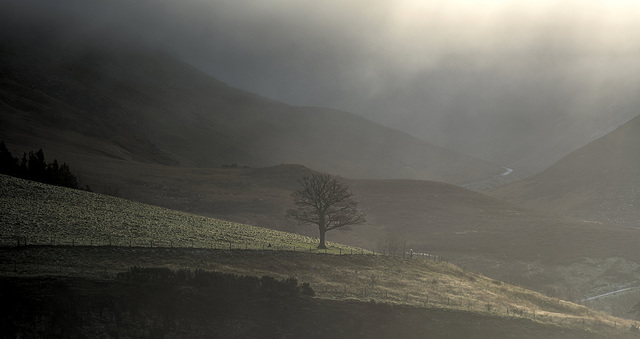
80, 307
65, 291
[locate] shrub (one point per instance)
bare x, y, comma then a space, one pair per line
215, 281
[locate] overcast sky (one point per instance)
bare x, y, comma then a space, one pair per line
466, 74
318, 52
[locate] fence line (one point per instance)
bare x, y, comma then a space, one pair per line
119, 241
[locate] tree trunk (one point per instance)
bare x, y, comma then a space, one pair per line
322, 245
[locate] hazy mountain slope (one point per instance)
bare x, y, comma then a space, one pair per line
73, 92
600, 181
524, 109
526, 123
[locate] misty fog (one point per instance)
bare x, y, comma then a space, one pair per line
518, 83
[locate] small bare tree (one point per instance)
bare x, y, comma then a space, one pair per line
392, 243
323, 201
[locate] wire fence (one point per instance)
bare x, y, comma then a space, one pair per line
116, 241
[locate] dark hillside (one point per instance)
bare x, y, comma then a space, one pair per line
105, 97
76, 307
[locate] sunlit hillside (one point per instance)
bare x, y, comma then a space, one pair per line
39, 214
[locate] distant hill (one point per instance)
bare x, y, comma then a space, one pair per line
600, 181
84, 94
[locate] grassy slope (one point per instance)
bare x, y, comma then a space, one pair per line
44, 214
41, 211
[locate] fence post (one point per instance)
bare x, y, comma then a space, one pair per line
229, 246
340, 250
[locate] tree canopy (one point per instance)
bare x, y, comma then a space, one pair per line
325, 202
34, 167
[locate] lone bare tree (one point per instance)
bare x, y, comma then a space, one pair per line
392, 243
323, 201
